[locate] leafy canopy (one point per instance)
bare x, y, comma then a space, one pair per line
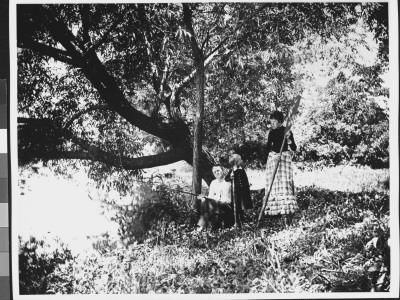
99, 82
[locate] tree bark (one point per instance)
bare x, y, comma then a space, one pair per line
198, 58
198, 127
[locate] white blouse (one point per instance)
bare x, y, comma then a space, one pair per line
220, 191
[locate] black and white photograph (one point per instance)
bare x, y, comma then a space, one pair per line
240, 150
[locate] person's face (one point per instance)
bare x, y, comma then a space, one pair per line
217, 171
275, 124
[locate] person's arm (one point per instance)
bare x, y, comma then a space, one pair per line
212, 193
245, 179
267, 147
248, 203
228, 176
291, 141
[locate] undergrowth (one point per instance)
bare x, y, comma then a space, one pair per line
337, 242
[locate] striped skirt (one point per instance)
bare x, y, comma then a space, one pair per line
282, 199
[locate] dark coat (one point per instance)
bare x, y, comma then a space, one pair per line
242, 189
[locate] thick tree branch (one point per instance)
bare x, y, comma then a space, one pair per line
59, 32
187, 20
84, 9
52, 52
45, 130
42, 121
43, 139
114, 97
127, 163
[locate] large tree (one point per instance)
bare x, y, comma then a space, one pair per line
98, 82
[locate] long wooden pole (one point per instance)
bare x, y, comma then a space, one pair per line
234, 197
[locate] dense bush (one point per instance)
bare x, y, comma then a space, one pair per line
346, 126
37, 267
155, 208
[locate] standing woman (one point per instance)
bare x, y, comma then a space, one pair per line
282, 201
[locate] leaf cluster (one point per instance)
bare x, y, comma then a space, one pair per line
348, 124
152, 210
37, 267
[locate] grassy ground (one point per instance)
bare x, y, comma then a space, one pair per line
337, 242
340, 178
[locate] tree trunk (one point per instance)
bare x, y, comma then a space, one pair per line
198, 128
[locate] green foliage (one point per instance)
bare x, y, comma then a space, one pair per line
342, 208
152, 210
375, 15
348, 126
33, 140
345, 117
38, 267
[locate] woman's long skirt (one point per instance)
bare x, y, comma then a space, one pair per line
282, 199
